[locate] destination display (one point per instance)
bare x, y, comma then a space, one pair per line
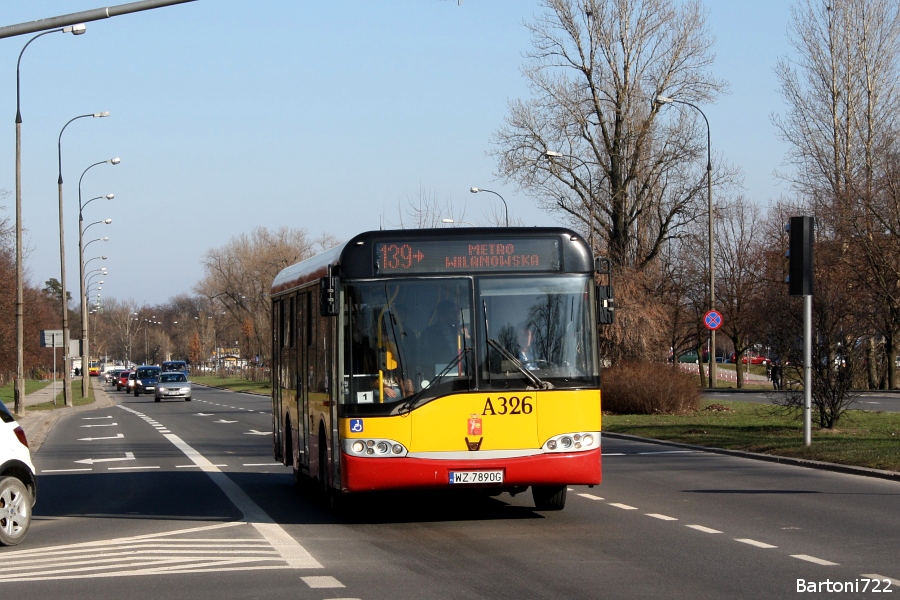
455, 256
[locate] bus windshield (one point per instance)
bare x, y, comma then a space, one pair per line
405, 339
541, 325
408, 341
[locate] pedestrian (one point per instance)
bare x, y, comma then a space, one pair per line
777, 374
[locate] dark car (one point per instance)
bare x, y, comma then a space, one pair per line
169, 366
145, 379
122, 381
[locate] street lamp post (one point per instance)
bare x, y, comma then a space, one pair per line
85, 350
67, 393
19, 393
475, 190
660, 100
452, 221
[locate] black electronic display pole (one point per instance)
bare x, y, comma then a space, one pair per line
800, 283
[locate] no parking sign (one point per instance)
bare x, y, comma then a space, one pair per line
712, 320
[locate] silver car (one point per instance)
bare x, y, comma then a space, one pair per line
173, 384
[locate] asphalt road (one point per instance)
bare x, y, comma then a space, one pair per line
873, 401
179, 499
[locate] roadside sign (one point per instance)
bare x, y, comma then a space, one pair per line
51, 338
712, 320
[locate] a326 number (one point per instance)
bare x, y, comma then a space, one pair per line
508, 406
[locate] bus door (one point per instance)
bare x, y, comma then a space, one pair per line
277, 410
304, 339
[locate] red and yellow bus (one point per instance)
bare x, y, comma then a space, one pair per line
441, 358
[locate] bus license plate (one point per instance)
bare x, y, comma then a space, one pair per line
476, 477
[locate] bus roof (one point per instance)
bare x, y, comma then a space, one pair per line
442, 251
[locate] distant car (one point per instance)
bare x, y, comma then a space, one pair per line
112, 376
122, 381
688, 357
130, 385
18, 484
175, 365
173, 384
753, 359
145, 379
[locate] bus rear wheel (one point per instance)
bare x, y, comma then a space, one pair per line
549, 497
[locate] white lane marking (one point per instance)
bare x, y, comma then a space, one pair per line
703, 529
90, 461
882, 577
140, 556
813, 559
101, 425
224, 421
661, 517
63, 470
273, 464
129, 468
95, 418
204, 414
590, 496
293, 553
322, 581
255, 432
754, 543
194, 466
118, 436
613, 454
622, 506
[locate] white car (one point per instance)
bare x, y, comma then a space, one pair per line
173, 384
18, 484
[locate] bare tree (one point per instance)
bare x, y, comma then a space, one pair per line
841, 127
595, 68
740, 288
239, 276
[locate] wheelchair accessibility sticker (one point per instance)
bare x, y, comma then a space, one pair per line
356, 425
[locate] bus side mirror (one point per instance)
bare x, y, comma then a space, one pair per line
327, 301
605, 302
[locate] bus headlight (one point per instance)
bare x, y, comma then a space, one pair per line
579, 441
375, 448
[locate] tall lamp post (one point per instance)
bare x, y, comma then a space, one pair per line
67, 393
20, 276
475, 190
85, 354
661, 100
85, 350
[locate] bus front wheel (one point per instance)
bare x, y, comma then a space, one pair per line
549, 497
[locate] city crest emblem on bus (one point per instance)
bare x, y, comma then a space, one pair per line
475, 425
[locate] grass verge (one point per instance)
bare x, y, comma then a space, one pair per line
77, 398
862, 438
8, 391
264, 388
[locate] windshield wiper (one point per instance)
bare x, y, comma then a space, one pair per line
414, 399
536, 381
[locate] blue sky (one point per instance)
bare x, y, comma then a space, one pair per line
231, 114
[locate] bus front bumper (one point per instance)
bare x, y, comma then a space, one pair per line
361, 474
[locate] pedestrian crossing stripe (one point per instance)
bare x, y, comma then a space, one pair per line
173, 552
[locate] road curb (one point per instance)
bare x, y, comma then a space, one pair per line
37, 424
785, 460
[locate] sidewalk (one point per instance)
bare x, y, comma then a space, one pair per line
723, 374
37, 423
